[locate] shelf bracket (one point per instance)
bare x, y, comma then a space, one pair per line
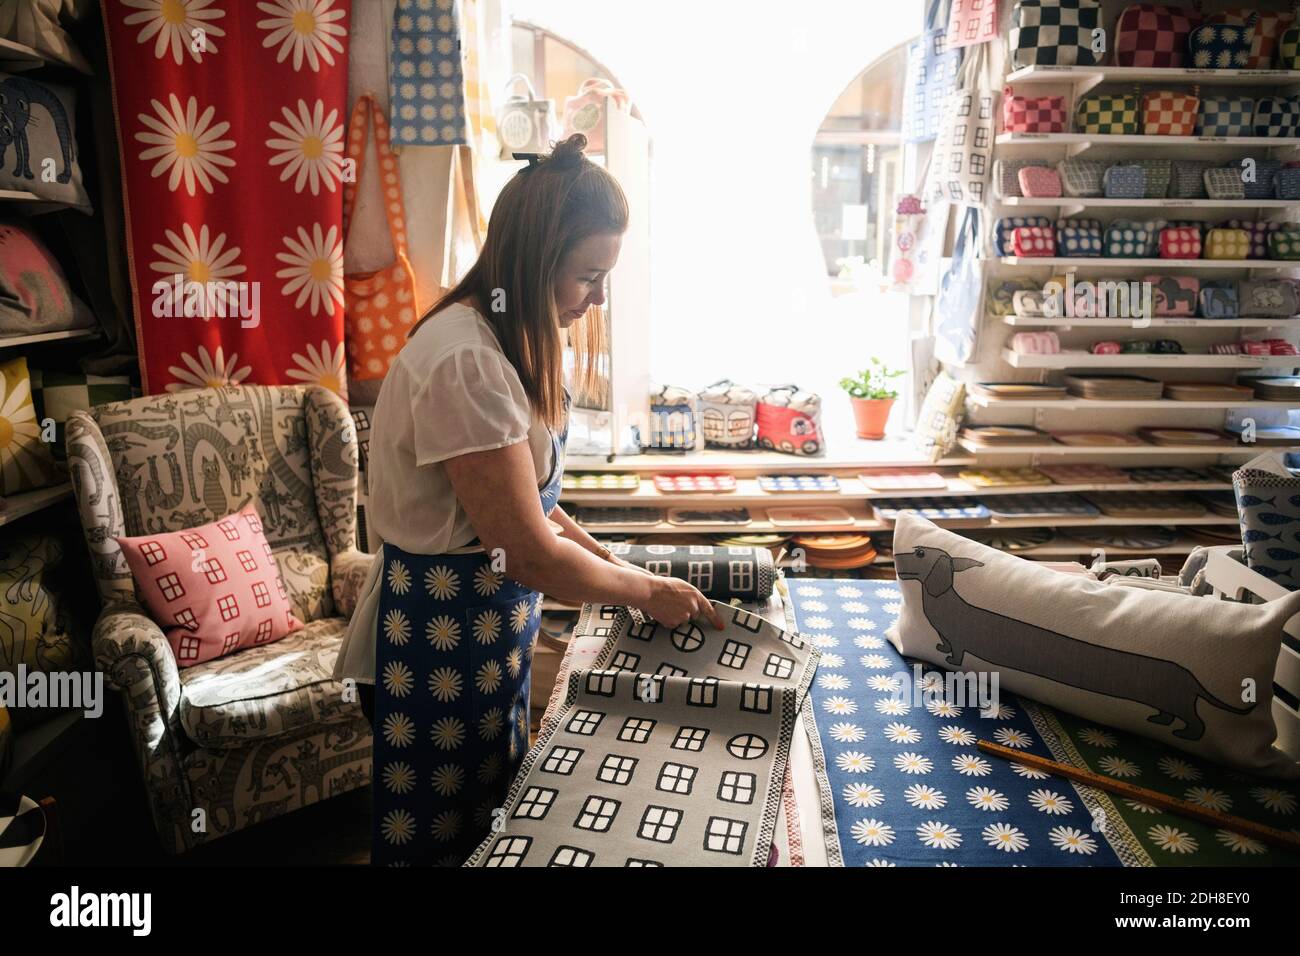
1077, 149
1088, 83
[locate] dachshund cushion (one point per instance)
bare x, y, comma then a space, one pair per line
1192, 672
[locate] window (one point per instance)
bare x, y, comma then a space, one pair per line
643, 630
750, 622
634, 862
189, 647
597, 814
263, 632
734, 654
688, 638
700, 574
741, 574
228, 607
153, 552
261, 593
659, 824
246, 560
636, 730
756, 697
535, 803
602, 683
170, 586
737, 787
585, 722
702, 692
185, 618
690, 738
509, 851
229, 530
778, 666
625, 661
662, 568
194, 541
571, 856
676, 778
725, 836
616, 769
229, 643
747, 746
561, 760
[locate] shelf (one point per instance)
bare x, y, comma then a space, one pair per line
1079, 203
9, 342
19, 195
850, 456
1103, 262
1109, 450
1163, 404
1147, 360
14, 55
1075, 521
29, 502
1165, 323
1077, 143
1093, 75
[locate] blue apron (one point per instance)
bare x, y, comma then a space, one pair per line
452, 674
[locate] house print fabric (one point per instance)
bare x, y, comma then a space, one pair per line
426, 89
907, 786
670, 750
721, 572
234, 232
931, 75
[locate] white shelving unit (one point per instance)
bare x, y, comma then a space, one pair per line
1084, 78
1164, 323
1093, 264
1063, 360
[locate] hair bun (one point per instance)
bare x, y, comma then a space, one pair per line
567, 153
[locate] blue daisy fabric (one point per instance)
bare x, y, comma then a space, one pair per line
908, 784
426, 89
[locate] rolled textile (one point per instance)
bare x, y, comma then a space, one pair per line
721, 573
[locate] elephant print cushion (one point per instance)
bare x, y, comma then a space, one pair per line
36, 629
38, 143
1194, 673
213, 589
669, 750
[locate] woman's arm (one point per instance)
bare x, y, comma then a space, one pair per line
578, 535
498, 490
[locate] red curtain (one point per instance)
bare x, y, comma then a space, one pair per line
231, 116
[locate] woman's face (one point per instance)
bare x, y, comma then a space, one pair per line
580, 283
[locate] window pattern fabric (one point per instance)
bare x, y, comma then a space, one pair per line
668, 750
720, 572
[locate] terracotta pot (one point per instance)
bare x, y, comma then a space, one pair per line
870, 415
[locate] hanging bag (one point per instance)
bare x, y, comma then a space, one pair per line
379, 306
585, 111
931, 76
959, 306
525, 124
961, 166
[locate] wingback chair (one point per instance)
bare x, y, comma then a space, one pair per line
265, 730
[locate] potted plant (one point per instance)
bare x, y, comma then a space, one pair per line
872, 398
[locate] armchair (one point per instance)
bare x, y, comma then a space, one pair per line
244, 738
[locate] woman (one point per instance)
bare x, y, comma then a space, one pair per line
466, 454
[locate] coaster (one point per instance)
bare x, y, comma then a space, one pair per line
778, 484
832, 542
694, 483
1069, 474
1096, 439
1004, 477
600, 481
936, 509
899, 479
1147, 504
1170, 474
803, 517
689, 516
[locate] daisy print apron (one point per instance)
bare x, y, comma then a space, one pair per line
452, 675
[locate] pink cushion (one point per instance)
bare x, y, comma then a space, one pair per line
212, 589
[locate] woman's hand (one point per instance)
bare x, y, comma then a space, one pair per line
673, 602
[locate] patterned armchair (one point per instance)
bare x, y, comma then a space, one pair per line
266, 730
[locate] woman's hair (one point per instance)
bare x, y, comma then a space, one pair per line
543, 212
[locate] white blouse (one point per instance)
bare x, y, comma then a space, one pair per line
450, 391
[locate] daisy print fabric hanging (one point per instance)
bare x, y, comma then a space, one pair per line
232, 128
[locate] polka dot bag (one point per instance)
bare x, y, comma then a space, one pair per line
379, 306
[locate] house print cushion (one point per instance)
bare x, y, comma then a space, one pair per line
213, 589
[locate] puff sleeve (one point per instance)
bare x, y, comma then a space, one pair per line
470, 400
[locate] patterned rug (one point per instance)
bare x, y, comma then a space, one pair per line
909, 787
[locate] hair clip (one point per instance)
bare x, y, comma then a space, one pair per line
533, 158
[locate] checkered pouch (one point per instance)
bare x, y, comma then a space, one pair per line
1159, 173
1225, 116
1286, 184
1032, 114
1082, 177
1227, 244
1288, 50
1127, 240
1079, 238
1224, 184
1259, 230
1040, 182
1284, 244
1054, 32
1180, 242
1149, 34
1189, 178
1125, 182
1031, 241
1006, 173
1219, 46
1166, 113
1106, 113
1218, 299
1003, 228
1277, 116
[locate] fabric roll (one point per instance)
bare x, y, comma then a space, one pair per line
722, 573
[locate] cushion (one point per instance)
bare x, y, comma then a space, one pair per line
1277, 116
57, 394
1040, 182
940, 417
789, 419
1219, 47
1180, 242
1001, 295
1259, 231
25, 459
1173, 295
1267, 298
1149, 34
34, 294
1167, 113
1003, 228
39, 151
1006, 174
36, 628
1033, 241
1227, 244
1125, 182
1082, 177
1192, 672
1189, 178
1224, 183
1105, 113
1032, 114
1127, 240
268, 690
213, 589
1225, 116
1055, 32
1284, 244
1286, 184
1218, 299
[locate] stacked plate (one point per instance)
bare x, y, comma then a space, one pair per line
694, 484
1070, 474
1001, 436
1212, 535
1173, 474
1011, 539
1040, 506
773, 542
600, 481
1136, 539
1285, 388
1222, 503
936, 509
1004, 477
1274, 435
836, 551
1114, 388
777, 484
1096, 439
813, 514
608, 517
689, 516
1207, 392
1146, 504
1184, 436
896, 479
1017, 390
